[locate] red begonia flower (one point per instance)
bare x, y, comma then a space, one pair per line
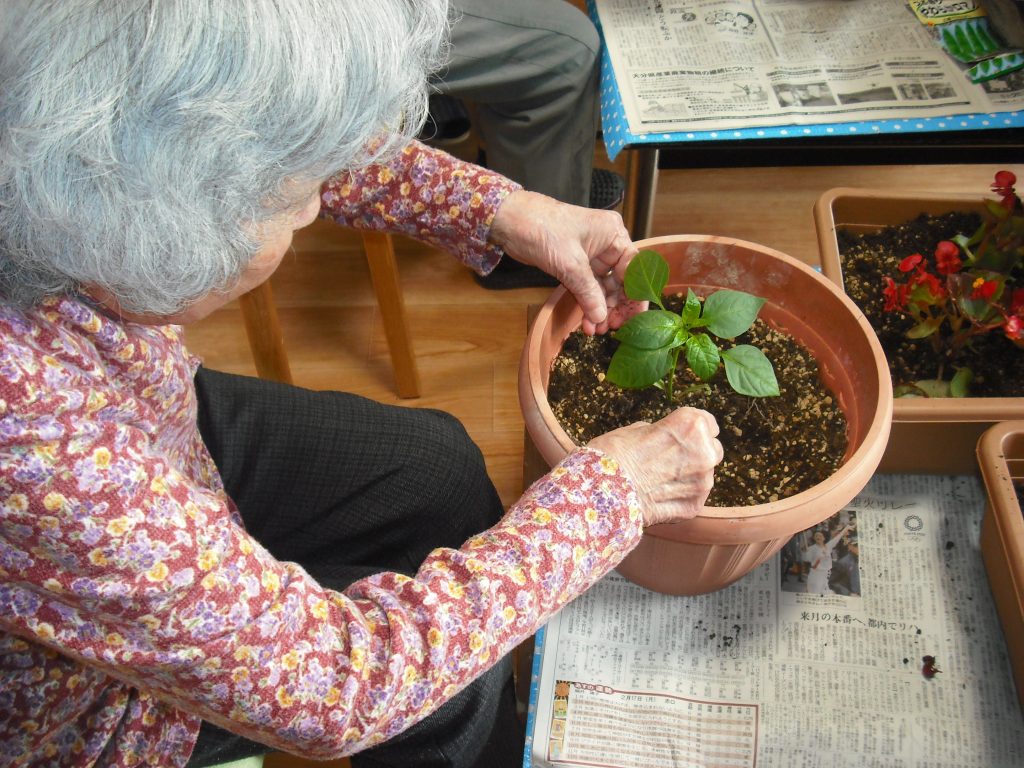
1014, 327
892, 294
910, 262
983, 289
1004, 181
1017, 302
947, 258
1003, 186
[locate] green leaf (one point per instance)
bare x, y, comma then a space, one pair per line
682, 336
933, 387
907, 390
653, 329
960, 386
979, 310
995, 207
993, 259
925, 328
967, 244
702, 356
749, 372
1014, 227
691, 310
727, 313
633, 368
646, 277
921, 294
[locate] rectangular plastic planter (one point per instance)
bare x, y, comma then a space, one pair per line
1001, 459
929, 435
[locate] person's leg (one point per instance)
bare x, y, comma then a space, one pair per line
348, 487
330, 479
531, 68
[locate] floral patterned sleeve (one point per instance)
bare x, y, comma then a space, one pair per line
116, 553
426, 194
197, 613
466, 608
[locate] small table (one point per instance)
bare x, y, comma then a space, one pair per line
975, 138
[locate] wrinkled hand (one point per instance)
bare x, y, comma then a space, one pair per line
671, 462
587, 250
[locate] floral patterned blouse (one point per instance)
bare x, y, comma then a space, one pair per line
133, 603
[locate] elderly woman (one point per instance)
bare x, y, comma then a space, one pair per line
195, 566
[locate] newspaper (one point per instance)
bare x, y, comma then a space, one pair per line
903, 665
717, 64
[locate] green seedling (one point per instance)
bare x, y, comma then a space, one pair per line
651, 343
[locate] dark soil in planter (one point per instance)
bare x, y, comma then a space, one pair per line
775, 447
998, 365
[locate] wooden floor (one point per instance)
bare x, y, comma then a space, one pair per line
468, 339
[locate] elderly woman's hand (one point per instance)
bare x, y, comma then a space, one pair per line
586, 249
671, 462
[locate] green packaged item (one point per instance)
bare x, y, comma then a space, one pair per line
998, 65
968, 40
962, 28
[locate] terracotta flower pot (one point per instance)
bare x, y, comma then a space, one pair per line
722, 544
1001, 458
929, 434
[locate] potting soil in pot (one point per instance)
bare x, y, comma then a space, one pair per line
866, 259
774, 447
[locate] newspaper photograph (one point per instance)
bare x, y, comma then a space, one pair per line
718, 64
869, 640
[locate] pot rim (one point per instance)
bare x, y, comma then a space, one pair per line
865, 458
994, 458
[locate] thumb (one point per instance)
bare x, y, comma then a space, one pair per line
588, 293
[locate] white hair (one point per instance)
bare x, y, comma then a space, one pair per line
140, 140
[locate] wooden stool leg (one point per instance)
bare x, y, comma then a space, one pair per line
264, 331
380, 254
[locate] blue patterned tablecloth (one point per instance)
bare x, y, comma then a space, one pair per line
617, 135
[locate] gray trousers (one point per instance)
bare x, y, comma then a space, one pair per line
531, 69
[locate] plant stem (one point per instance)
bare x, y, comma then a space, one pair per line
671, 376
